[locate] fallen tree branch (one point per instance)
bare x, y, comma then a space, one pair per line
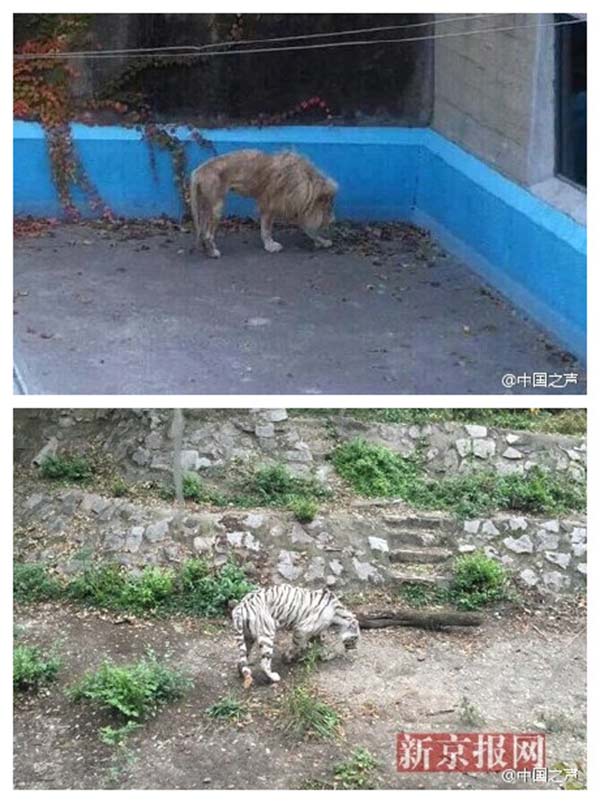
433, 620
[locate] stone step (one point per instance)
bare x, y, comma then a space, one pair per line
420, 555
415, 576
417, 523
407, 539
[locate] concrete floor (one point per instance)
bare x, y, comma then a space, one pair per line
134, 311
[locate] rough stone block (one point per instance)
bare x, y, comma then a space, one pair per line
484, 448
378, 544
476, 430
519, 545
264, 430
463, 446
157, 531
561, 559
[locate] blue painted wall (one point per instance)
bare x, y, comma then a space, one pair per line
532, 253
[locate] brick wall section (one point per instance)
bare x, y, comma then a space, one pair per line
494, 93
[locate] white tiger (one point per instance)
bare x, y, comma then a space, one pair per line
283, 607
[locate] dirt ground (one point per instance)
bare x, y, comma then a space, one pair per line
133, 309
511, 672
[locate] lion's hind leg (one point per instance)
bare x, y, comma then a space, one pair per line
210, 230
207, 198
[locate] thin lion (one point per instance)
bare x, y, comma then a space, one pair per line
286, 186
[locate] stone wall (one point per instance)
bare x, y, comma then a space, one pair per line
346, 546
217, 442
364, 544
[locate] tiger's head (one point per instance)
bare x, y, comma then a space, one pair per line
347, 625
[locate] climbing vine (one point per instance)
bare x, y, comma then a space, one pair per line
43, 92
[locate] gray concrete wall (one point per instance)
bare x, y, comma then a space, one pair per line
365, 85
494, 93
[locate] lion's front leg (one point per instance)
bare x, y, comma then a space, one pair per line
266, 232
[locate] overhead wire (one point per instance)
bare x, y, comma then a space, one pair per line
237, 51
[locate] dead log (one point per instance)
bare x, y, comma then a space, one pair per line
433, 620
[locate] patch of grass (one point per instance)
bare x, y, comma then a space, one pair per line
148, 590
536, 492
304, 509
419, 595
70, 468
374, 470
194, 589
32, 668
228, 708
313, 655
276, 487
308, 716
268, 486
477, 580
357, 772
540, 491
469, 714
133, 691
98, 586
116, 737
33, 583
209, 594
565, 421
192, 487
119, 487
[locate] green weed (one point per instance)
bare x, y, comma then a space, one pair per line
119, 487
374, 470
70, 468
469, 714
477, 580
134, 691
228, 708
33, 583
308, 716
304, 509
193, 589
357, 772
564, 421
32, 668
192, 487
